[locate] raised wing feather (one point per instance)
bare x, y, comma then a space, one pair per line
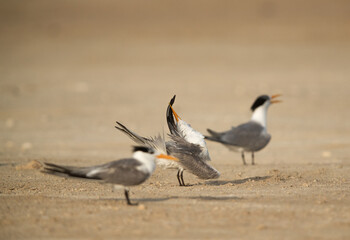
189, 156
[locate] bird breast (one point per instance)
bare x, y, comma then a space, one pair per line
193, 136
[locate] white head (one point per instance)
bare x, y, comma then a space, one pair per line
260, 107
147, 157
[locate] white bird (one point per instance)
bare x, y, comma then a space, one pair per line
186, 144
124, 172
251, 136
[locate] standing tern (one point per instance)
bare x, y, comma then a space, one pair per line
251, 136
186, 144
124, 172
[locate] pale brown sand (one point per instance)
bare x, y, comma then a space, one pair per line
68, 71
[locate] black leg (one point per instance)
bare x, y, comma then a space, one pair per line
178, 177
182, 177
243, 159
126, 192
253, 163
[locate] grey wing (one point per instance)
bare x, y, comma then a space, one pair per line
123, 172
134, 136
179, 144
248, 135
189, 156
156, 143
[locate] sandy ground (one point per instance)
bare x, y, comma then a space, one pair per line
68, 71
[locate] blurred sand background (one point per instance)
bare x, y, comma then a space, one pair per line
70, 69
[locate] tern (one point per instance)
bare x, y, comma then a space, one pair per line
186, 144
251, 136
121, 173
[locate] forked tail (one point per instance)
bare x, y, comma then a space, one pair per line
81, 172
214, 136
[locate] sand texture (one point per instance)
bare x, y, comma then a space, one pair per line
69, 70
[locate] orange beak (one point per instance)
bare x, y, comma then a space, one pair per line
168, 157
273, 100
175, 114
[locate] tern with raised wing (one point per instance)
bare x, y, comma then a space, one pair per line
186, 144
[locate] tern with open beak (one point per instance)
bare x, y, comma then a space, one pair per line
251, 136
124, 172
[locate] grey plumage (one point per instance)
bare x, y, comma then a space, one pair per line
157, 143
251, 136
191, 152
188, 146
188, 154
122, 172
125, 172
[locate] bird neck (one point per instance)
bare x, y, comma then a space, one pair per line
147, 160
260, 115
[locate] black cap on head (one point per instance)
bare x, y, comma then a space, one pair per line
143, 149
259, 101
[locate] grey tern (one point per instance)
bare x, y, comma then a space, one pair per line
121, 173
251, 136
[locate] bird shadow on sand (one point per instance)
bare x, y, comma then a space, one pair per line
205, 198
214, 198
163, 199
139, 200
235, 182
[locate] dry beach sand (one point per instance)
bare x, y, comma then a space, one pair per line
69, 70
